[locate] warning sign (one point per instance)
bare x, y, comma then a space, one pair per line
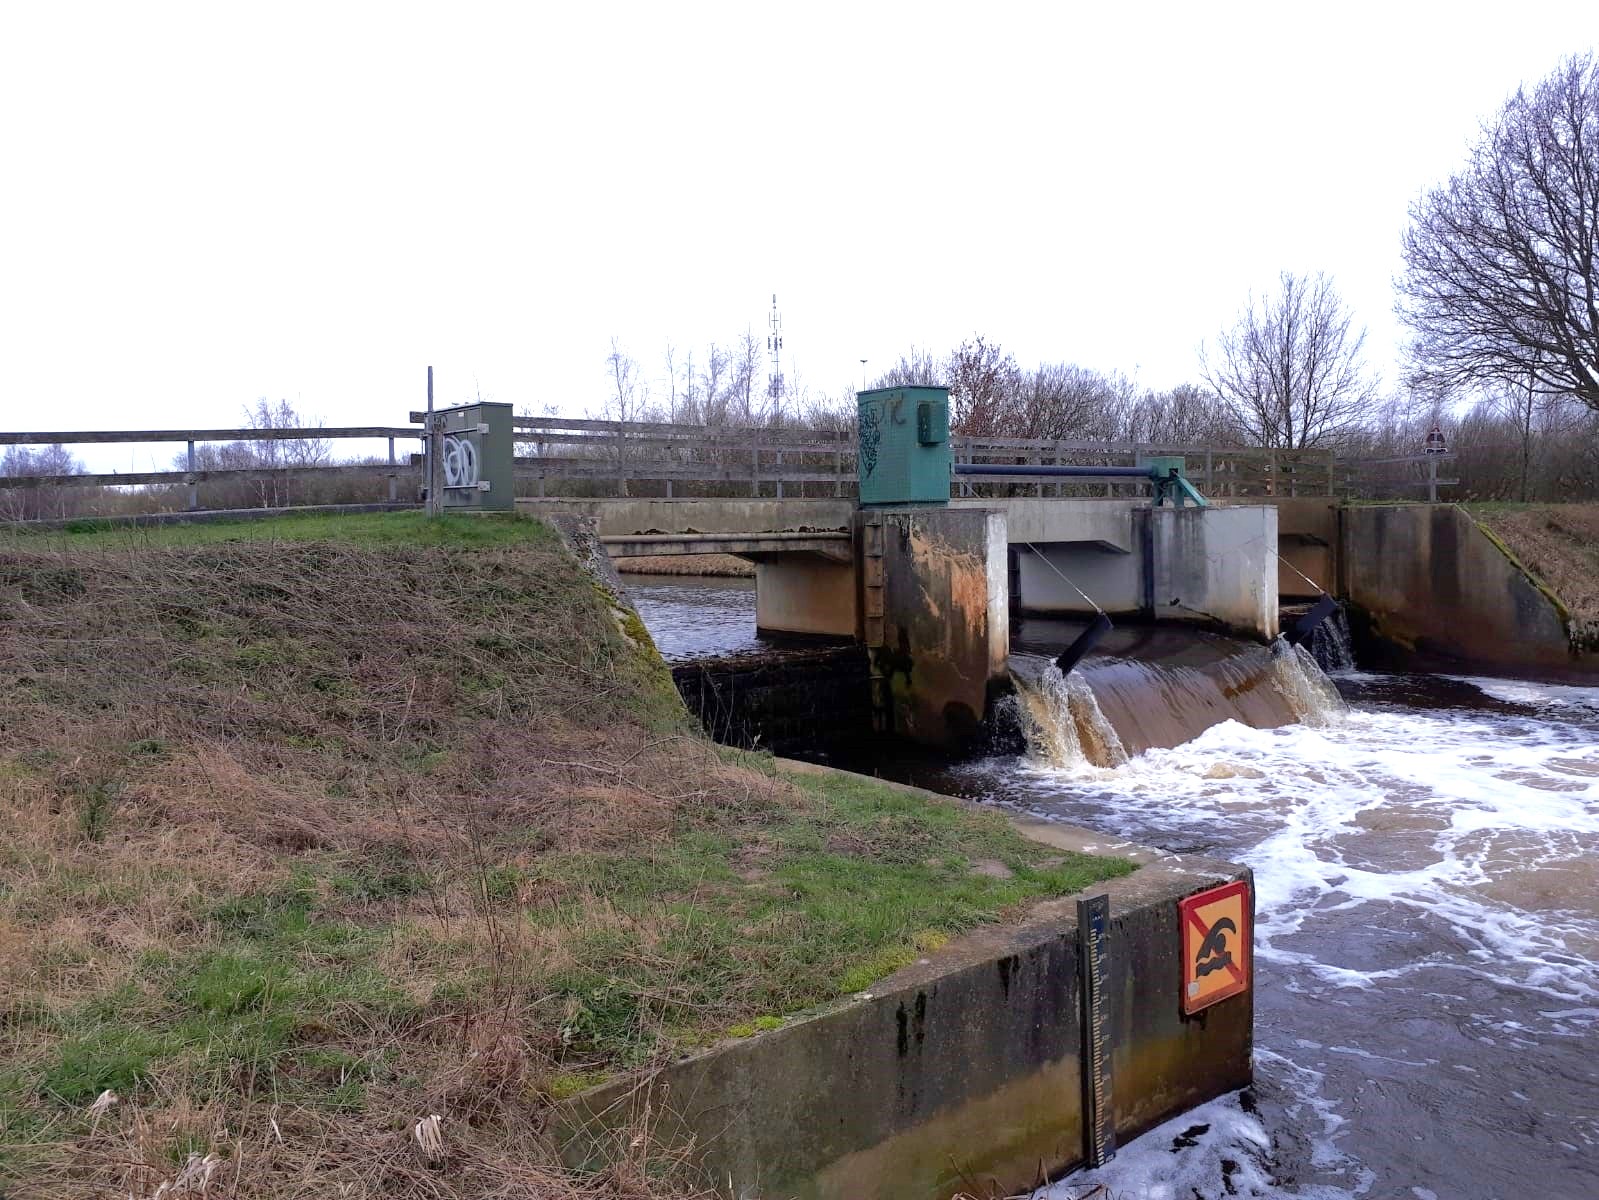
1216, 944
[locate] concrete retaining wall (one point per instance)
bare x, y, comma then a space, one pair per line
788, 702
1427, 581
959, 1073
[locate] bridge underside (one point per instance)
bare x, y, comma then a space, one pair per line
1224, 566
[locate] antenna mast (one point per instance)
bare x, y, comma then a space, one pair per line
774, 348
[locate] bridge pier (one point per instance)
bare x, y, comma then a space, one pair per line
935, 618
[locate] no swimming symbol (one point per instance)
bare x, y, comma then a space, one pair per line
1216, 938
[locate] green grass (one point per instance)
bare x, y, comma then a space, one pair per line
853, 885
255, 1005
362, 529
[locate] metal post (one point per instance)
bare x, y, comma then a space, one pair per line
1332, 472
433, 457
1209, 489
194, 486
838, 472
1432, 479
393, 480
779, 474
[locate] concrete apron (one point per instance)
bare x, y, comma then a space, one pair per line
959, 1073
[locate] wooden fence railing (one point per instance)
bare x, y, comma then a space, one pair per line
636, 457
193, 475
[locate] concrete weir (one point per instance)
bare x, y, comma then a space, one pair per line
959, 1073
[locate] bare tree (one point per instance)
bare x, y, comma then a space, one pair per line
1501, 279
1290, 370
745, 362
626, 393
917, 368
983, 383
48, 500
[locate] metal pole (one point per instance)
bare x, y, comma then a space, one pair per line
1432, 480
194, 487
393, 481
431, 455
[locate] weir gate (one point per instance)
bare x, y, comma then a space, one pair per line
928, 584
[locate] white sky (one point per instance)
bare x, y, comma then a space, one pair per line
205, 205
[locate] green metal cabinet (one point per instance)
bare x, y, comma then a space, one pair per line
476, 453
904, 451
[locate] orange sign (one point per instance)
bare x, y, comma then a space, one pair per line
1216, 942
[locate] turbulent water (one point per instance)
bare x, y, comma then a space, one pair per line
1427, 875
1426, 857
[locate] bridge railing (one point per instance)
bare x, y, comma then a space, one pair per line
563, 456
256, 468
639, 458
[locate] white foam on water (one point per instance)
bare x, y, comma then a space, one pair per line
1475, 831
1472, 796
1223, 1149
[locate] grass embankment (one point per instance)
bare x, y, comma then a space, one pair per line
711, 565
315, 828
1559, 543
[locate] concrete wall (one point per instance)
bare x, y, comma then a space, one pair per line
1045, 575
1216, 564
798, 593
1426, 580
944, 646
961, 1072
616, 518
1208, 565
1307, 539
1106, 524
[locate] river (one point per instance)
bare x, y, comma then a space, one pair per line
1426, 857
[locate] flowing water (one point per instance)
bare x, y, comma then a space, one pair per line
696, 616
1426, 857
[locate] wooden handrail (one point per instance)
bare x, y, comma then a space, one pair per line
84, 436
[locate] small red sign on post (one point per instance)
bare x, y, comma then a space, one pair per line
1217, 939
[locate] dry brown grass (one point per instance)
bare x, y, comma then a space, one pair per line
1560, 544
190, 727
723, 565
310, 841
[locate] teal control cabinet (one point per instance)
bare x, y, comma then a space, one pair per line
903, 451
476, 449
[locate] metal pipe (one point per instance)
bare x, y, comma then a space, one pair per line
1073, 472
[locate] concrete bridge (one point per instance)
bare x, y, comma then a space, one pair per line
930, 589
1225, 565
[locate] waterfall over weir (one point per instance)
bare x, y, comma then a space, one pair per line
1112, 707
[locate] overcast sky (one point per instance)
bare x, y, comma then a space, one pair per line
205, 205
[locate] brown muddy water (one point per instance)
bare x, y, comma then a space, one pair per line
1426, 855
